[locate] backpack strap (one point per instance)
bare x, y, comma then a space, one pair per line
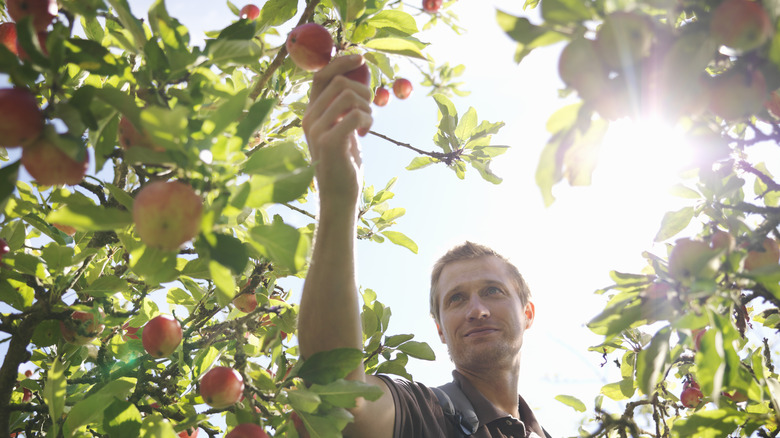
457, 408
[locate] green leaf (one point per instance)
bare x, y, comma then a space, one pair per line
401, 240
235, 52
571, 401
8, 176
158, 427
342, 393
276, 12
394, 19
230, 110
254, 118
229, 252
328, 366
303, 400
407, 46
91, 408
621, 390
565, 11
396, 340
420, 350
673, 223
281, 243
519, 29
223, 279
652, 361
716, 423
420, 162
153, 265
106, 286
122, 420
91, 217
166, 127
54, 392
467, 125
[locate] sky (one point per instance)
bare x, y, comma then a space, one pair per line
565, 251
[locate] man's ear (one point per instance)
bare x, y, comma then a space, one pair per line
530, 313
441, 333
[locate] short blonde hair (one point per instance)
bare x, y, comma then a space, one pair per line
470, 251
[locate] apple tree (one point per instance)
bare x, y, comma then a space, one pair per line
149, 296
693, 336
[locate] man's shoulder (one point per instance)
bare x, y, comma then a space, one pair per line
417, 409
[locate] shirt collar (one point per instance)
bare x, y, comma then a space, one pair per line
487, 412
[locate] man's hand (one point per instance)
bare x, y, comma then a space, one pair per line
339, 108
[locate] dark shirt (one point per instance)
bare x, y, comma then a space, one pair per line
419, 415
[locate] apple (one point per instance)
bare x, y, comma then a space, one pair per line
191, 432
246, 302
691, 396
42, 11
22, 120
310, 46
722, 240
50, 166
741, 25
161, 336
361, 74
769, 256
221, 387
130, 332
247, 430
130, 137
299, 426
581, 69
82, 328
4, 248
8, 37
167, 214
432, 6
623, 39
402, 88
381, 96
736, 396
249, 12
738, 94
691, 259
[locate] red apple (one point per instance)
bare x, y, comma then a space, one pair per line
361, 74
22, 120
736, 95
167, 214
402, 88
4, 248
221, 387
49, 165
736, 396
299, 426
691, 396
26, 395
247, 430
81, 328
432, 5
581, 69
8, 37
192, 432
722, 240
768, 257
697, 335
161, 336
624, 38
129, 136
310, 46
129, 332
246, 302
741, 25
42, 11
381, 96
249, 12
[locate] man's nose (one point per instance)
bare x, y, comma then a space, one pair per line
477, 309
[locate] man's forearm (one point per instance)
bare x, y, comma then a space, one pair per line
329, 315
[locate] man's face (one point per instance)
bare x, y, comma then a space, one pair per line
482, 317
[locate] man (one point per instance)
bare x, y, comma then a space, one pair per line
479, 301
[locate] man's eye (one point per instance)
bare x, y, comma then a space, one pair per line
492, 290
455, 298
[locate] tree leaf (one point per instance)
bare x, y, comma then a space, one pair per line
106, 286
652, 361
91, 217
342, 393
401, 240
673, 222
122, 419
420, 350
406, 46
328, 366
91, 408
54, 392
571, 401
281, 243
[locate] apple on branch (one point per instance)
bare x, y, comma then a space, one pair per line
42, 11
161, 335
741, 25
402, 88
249, 12
623, 39
310, 46
737, 94
768, 255
130, 136
381, 96
81, 328
50, 166
221, 387
22, 120
247, 430
8, 37
167, 214
580, 68
432, 6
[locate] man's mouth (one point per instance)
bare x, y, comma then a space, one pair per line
482, 331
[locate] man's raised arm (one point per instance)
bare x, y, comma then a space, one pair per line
329, 315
